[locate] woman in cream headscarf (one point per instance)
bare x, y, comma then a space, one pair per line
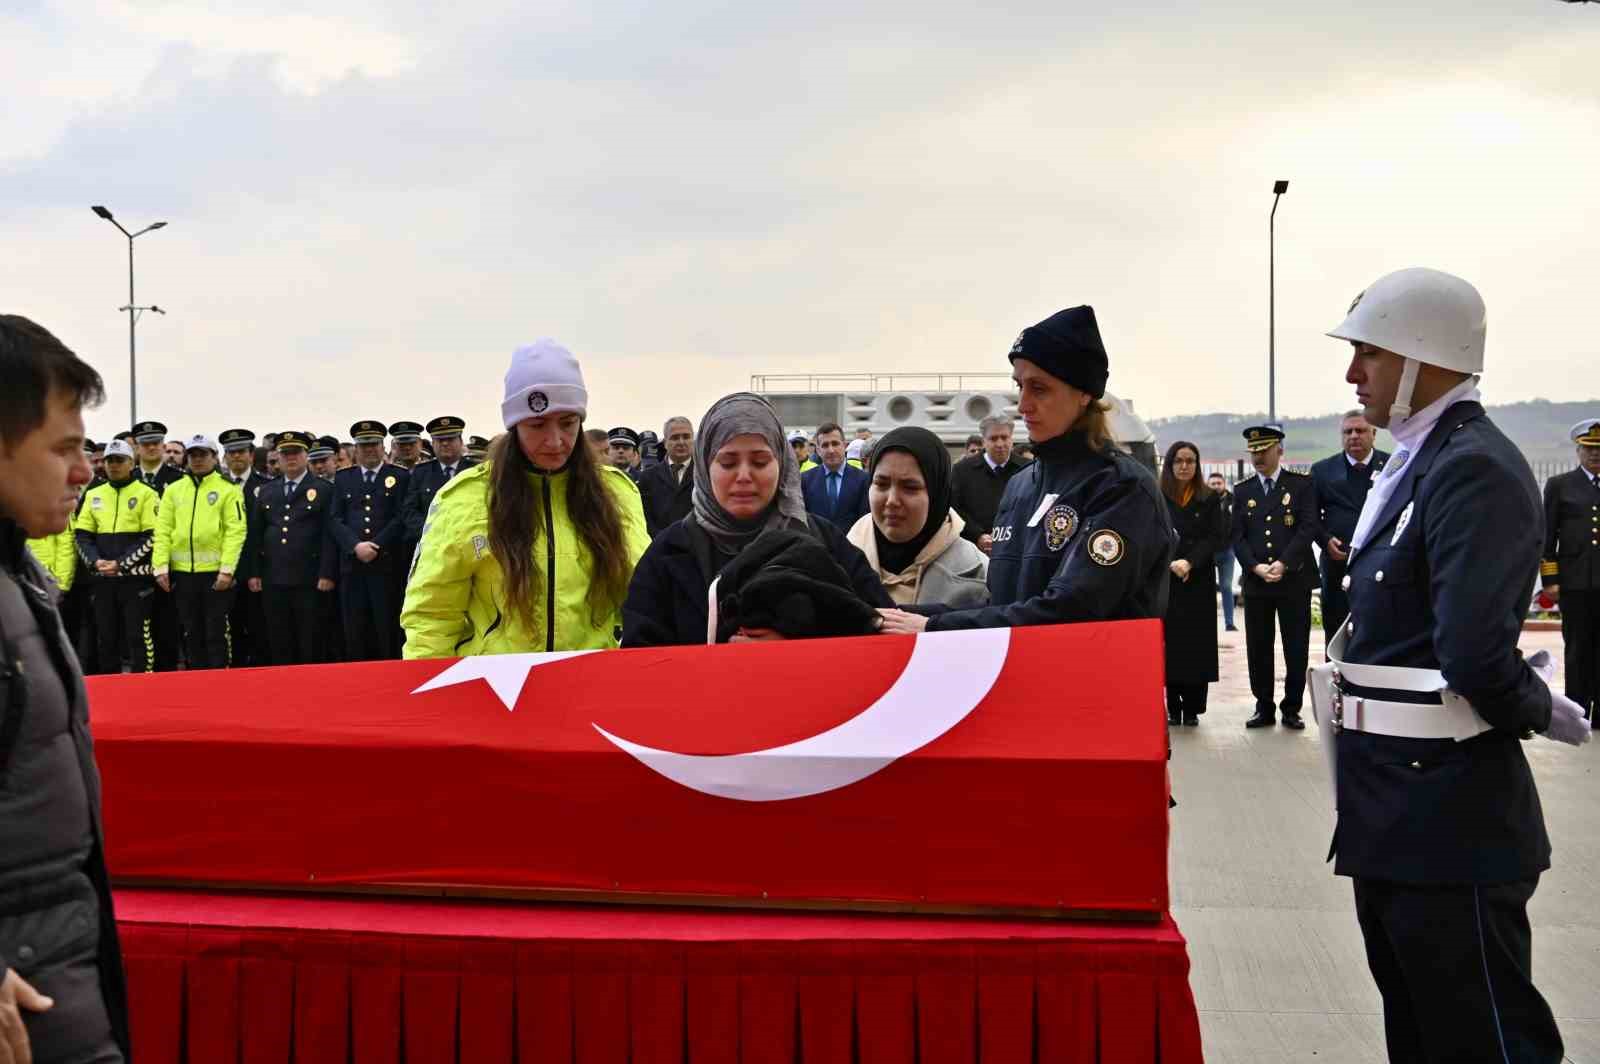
746, 480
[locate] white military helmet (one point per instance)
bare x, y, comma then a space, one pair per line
1427, 316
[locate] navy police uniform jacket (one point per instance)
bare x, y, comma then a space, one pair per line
1081, 535
426, 480
287, 544
1571, 557
1443, 584
363, 514
1279, 527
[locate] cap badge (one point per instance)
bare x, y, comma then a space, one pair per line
1106, 547
1059, 525
538, 402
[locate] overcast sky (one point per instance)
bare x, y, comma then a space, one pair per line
371, 204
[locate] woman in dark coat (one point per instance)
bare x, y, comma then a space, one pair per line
1191, 629
746, 481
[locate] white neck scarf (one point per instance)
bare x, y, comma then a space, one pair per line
1409, 436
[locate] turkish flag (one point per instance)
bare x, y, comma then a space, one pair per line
1004, 769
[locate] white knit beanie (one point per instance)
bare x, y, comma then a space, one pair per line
544, 379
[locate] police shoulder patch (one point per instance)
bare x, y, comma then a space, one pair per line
1059, 525
1106, 547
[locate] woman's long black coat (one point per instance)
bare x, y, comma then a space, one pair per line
1191, 629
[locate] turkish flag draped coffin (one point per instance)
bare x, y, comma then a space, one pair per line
1014, 770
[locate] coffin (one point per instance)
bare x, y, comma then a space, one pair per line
1019, 771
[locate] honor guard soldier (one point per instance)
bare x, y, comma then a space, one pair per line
115, 532
450, 459
1274, 525
477, 448
284, 556
368, 528
1082, 534
199, 537
1570, 567
407, 439
622, 448
1428, 698
1342, 482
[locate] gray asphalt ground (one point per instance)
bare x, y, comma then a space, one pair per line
1279, 972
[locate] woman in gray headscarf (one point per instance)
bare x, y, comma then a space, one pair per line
746, 480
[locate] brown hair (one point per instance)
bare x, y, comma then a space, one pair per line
827, 427
1095, 424
1169, 483
516, 523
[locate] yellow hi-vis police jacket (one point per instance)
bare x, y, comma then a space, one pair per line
201, 526
58, 553
455, 600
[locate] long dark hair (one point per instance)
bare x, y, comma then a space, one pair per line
1169, 483
516, 521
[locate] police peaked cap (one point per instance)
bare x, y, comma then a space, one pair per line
291, 438
405, 431
1587, 433
237, 440
368, 432
1067, 346
1261, 437
623, 435
443, 427
324, 447
478, 442
150, 432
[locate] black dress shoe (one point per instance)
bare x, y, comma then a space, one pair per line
1292, 720
1174, 719
1191, 720
1260, 720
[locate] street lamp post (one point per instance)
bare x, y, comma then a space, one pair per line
133, 312
1278, 189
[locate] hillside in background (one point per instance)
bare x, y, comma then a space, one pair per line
1539, 427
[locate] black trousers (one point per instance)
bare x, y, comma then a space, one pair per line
122, 606
291, 618
166, 632
1262, 616
203, 611
371, 611
1335, 603
1580, 631
247, 629
1188, 699
1455, 967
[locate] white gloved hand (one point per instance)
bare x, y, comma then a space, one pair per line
1566, 721
1543, 665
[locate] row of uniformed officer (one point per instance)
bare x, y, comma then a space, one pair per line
1570, 566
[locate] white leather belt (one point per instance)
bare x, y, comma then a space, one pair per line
1454, 718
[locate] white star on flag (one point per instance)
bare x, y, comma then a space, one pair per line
505, 673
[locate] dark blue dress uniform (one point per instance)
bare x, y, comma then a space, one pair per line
1341, 492
1081, 535
288, 550
1273, 526
367, 509
1571, 561
1446, 839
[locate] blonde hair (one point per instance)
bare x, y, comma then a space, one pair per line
1095, 424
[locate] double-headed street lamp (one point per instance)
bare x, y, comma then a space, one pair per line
1278, 189
133, 312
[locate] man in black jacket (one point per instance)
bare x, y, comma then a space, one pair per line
1570, 566
1274, 524
667, 487
978, 481
61, 986
1439, 822
1342, 482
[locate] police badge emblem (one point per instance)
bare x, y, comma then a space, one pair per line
1252, 504
1400, 525
1288, 520
211, 498
1106, 547
133, 503
311, 495
538, 402
1287, 499
94, 503
1059, 525
389, 481
1398, 462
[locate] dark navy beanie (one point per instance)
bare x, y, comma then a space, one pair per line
1067, 346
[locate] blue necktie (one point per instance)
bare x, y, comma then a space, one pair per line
833, 490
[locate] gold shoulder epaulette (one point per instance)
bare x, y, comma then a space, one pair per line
1549, 568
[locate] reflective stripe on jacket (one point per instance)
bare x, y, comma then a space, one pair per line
455, 598
201, 527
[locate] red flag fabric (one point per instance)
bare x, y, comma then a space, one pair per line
1016, 770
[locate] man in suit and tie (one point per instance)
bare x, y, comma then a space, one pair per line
1342, 482
835, 490
1569, 567
284, 558
667, 487
1274, 524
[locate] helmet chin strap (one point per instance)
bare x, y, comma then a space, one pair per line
1401, 410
